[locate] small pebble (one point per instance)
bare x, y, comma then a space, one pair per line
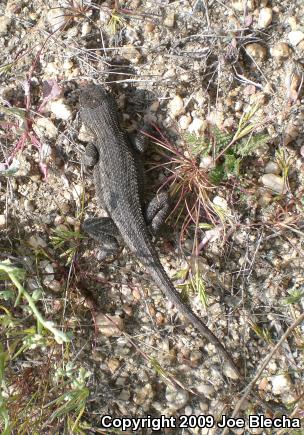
37, 242
131, 53
4, 23
256, 51
113, 364
240, 5
281, 50
85, 29
177, 398
206, 163
107, 327
206, 389
229, 372
176, 106
281, 384
295, 37
56, 18
144, 394
2, 220
149, 26
291, 133
45, 127
265, 199
185, 121
60, 109
265, 17
170, 20
195, 356
272, 168
198, 126
221, 202
274, 182
292, 21
263, 384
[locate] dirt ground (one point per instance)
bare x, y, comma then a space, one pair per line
220, 84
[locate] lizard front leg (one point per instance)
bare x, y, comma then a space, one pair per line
139, 141
105, 232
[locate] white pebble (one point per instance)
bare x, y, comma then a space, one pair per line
295, 36
169, 20
45, 127
292, 22
56, 18
221, 202
229, 372
281, 384
241, 5
176, 106
206, 389
177, 398
60, 109
85, 29
184, 121
274, 183
198, 126
4, 23
206, 163
265, 17
2, 220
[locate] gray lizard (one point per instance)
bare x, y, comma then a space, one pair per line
118, 175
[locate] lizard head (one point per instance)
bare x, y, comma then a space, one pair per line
92, 96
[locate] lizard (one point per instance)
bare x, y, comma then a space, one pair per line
117, 171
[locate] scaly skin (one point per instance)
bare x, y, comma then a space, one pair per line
117, 183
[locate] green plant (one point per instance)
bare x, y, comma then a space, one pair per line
295, 296
17, 275
194, 185
194, 284
116, 21
73, 400
263, 333
67, 241
58, 397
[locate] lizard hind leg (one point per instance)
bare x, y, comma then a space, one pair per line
156, 211
105, 232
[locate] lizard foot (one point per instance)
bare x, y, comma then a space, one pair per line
104, 231
156, 211
90, 156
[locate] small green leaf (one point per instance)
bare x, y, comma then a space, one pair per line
232, 164
205, 226
217, 175
294, 297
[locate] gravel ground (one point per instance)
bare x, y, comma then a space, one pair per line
189, 67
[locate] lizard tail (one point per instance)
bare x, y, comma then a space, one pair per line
162, 280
